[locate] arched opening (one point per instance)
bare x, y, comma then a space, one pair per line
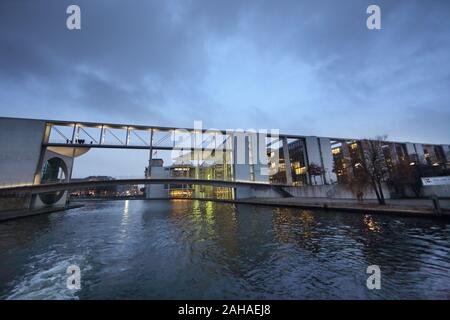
54, 170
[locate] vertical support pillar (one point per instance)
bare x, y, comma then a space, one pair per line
314, 157
287, 161
394, 155
150, 157
37, 175
226, 172
411, 152
252, 155
38, 171
327, 161
173, 138
69, 177
127, 139
305, 152
73, 133
101, 135
420, 153
232, 156
346, 157
196, 151
241, 156
74, 150
229, 156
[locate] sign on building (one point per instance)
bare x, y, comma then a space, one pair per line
436, 181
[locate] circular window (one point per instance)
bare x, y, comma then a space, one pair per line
54, 170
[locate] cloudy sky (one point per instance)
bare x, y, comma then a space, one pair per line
304, 67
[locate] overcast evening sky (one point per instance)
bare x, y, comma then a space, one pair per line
304, 67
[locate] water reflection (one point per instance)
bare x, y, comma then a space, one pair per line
371, 224
193, 249
124, 222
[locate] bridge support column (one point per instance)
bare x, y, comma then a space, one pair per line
241, 157
420, 153
393, 150
313, 158
150, 156
327, 161
415, 153
287, 161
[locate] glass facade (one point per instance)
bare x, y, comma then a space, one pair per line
207, 172
297, 158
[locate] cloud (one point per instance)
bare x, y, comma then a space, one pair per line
301, 66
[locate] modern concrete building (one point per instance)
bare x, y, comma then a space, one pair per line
42, 151
24, 160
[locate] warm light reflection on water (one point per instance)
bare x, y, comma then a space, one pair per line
371, 224
124, 222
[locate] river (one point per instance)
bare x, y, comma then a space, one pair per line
205, 250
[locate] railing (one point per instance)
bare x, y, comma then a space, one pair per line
52, 187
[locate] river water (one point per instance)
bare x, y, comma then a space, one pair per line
204, 250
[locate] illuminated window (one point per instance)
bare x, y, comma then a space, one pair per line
336, 151
182, 193
299, 171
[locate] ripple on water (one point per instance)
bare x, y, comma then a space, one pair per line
184, 249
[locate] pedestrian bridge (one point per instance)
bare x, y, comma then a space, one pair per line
78, 185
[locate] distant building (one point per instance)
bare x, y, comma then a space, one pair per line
187, 170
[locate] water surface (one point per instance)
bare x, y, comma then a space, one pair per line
206, 250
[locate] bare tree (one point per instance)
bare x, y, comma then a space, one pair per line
315, 170
404, 176
374, 164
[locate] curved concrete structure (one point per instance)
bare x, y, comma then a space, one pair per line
53, 187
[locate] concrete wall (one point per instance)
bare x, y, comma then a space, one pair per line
156, 191
241, 160
14, 203
242, 171
20, 150
440, 191
153, 191
256, 192
317, 191
20, 147
332, 192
